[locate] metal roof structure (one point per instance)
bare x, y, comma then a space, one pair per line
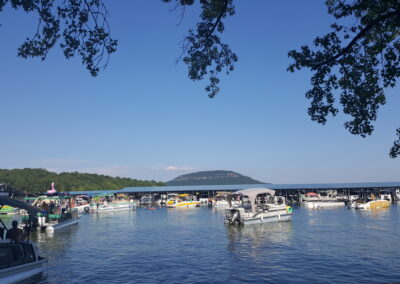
234, 187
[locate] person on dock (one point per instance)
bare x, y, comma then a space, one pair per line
15, 234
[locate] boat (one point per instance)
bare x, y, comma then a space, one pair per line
82, 203
221, 200
56, 212
183, 201
107, 203
258, 205
111, 206
6, 209
312, 200
19, 260
146, 200
372, 203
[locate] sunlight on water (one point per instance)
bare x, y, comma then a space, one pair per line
194, 245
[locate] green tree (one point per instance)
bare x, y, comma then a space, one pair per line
356, 63
81, 27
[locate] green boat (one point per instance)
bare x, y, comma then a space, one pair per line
6, 209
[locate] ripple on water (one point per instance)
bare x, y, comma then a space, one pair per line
195, 246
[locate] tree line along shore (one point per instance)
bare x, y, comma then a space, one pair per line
39, 180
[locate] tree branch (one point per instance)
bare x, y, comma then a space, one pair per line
218, 19
358, 36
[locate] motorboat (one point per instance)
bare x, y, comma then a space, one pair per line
107, 202
312, 200
258, 205
82, 203
183, 201
372, 203
19, 260
146, 200
221, 200
56, 212
111, 206
205, 202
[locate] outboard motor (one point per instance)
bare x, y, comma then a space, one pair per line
235, 217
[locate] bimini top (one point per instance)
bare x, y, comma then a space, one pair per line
252, 193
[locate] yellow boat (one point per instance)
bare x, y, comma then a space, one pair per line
183, 201
373, 204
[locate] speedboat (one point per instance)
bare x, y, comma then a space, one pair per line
258, 205
183, 201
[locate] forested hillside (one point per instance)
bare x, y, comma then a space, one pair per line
212, 178
39, 180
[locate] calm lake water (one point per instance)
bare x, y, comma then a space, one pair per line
194, 246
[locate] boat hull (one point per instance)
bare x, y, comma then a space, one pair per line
22, 272
111, 207
53, 227
184, 205
268, 219
371, 205
322, 204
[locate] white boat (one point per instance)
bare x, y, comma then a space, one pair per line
313, 200
372, 203
82, 203
258, 205
111, 206
183, 201
52, 222
221, 201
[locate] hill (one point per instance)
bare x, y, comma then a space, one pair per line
39, 180
212, 178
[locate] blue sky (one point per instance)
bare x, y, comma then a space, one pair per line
143, 118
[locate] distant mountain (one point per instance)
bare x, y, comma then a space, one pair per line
212, 178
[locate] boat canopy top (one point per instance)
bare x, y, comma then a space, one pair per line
47, 197
252, 193
19, 204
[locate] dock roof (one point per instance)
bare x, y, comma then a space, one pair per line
234, 187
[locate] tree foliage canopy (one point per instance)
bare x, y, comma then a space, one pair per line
39, 180
356, 63
81, 27
202, 49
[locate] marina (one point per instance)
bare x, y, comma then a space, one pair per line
181, 228
175, 246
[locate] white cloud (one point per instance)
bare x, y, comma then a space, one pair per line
177, 169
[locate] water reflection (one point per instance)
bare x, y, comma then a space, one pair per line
260, 234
